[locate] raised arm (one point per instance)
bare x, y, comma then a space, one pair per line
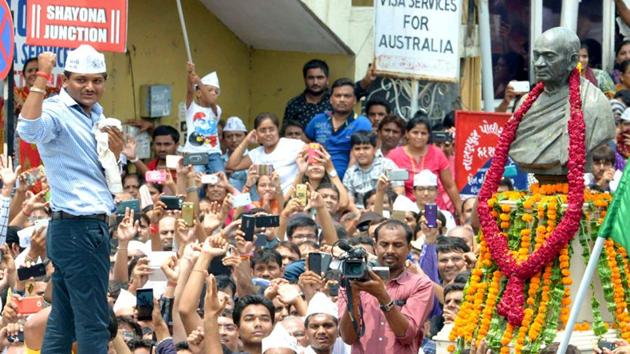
334, 179
623, 11
329, 234
213, 307
126, 230
237, 161
192, 79
32, 108
213, 247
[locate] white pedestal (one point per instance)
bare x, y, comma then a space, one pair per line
583, 340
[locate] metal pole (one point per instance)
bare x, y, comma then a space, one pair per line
183, 23
608, 36
581, 293
10, 120
569, 14
487, 82
535, 31
414, 98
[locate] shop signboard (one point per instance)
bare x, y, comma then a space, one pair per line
417, 39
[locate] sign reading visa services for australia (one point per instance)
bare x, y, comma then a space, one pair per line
69, 23
417, 39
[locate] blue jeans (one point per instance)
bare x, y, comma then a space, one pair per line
79, 250
215, 164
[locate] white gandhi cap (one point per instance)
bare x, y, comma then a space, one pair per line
234, 124
279, 338
211, 79
425, 178
85, 60
321, 304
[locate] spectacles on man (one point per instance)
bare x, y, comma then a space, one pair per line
425, 189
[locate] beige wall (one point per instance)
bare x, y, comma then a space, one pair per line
156, 55
277, 76
252, 81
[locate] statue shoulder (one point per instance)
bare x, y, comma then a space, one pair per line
520, 101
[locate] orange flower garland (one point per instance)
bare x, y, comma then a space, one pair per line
539, 320
621, 313
506, 338
567, 281
460, 328
486, 315
526, 222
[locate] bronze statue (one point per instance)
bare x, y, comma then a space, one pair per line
542, 138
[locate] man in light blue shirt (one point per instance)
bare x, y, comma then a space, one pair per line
78, 236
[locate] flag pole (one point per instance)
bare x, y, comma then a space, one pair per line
581, 293
183, 23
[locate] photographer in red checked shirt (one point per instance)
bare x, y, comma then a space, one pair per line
392, 313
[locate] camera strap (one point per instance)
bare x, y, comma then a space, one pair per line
355, 321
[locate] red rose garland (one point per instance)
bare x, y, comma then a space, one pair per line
512, 301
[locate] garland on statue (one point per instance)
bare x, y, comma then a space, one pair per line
532, 218
512, 302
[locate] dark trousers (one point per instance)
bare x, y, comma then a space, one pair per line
79, 250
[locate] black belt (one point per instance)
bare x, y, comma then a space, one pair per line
63, 215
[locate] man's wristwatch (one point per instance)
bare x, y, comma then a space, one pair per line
387, 307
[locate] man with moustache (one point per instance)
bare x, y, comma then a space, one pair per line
321, 324
394, 311
78, 233
315, 98
334, 129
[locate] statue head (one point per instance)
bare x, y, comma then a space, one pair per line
556, 54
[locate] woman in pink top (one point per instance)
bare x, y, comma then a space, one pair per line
418, 154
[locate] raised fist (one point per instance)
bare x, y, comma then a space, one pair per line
46, 62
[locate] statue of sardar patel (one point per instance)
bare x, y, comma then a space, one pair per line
541, 145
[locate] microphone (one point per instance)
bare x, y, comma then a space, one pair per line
344, 245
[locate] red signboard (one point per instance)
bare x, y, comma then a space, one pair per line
70, 23
476, 137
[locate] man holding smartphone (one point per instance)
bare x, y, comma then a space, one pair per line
78, 235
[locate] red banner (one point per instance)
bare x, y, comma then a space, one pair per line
476, 136
70, 23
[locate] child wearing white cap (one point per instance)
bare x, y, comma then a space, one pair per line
202, 119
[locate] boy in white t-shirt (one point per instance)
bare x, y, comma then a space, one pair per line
202, 119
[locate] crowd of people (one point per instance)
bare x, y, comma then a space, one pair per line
332, 231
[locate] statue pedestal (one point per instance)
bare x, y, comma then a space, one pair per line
585, 341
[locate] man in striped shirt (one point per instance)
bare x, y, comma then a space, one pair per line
78, 235
361, 177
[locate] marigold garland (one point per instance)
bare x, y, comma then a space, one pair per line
620, 305
533, 219
512, 301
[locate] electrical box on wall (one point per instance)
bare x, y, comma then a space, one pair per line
156, 101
